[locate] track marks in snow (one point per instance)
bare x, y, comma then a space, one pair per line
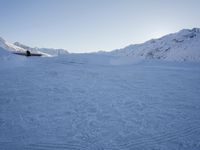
68, 146
57, 146
159, 138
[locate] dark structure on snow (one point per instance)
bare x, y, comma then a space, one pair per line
27, 53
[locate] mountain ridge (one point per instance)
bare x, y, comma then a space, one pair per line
180, 46
183, 45
18, 47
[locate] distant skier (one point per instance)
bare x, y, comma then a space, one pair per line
28, 53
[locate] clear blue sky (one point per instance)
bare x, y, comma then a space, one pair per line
92, 25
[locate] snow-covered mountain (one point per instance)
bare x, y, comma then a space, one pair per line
50, 51
53, 52
181, 46
10, 47
18, 47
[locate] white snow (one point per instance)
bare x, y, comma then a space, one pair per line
103, 101
17, 47
85, 102
44, 51
181, 46
9, 46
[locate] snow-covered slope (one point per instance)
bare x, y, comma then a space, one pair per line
73, 103
9, 46
17, 47
6, 50
53, 52
83, 102
181, 46
50, 51
3, 52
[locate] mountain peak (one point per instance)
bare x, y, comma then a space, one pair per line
181, 46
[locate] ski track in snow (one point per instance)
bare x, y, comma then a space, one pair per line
72, 104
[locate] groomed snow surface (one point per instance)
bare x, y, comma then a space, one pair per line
87, 102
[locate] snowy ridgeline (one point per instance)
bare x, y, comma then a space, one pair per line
82, 102
181, 46
18, 47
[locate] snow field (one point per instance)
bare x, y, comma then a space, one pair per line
81, 102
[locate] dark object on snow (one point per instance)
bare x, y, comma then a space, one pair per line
27, 53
